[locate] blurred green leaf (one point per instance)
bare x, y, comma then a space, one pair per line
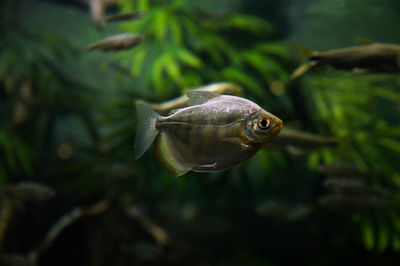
383, 236
188, 58
243, 79
368, 234
160, 25
175, 29
395, 242
391, 144
139, 56
277, 49
247, 23
172, 68
259, 63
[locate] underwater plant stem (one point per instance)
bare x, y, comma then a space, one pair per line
5, 216
64, 222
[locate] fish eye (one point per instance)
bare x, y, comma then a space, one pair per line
263, 123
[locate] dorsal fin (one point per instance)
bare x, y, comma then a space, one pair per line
200, 97
364, 41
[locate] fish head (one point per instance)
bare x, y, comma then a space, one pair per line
261, 127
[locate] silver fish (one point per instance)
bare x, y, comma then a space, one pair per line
133, 15
346, 203
281, 211
342, 169
351, 187
214, 133
116, 42
272, 208
97, 8
373, 57
28, 191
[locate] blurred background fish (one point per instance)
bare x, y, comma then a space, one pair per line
116, 42
342, 169
28, 192
348, 203
133, 15
346, 186
97, 9
367, 58
283, 212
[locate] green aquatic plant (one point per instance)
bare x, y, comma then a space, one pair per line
80, 141
35, 95
185, 48
361, 110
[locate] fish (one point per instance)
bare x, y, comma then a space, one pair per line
292, 138
272, 208
28, 192
116, 42
182, 101
281, 211
348, 203
133, 15
97, 8
342, 169
361, 59
350, 187
215, 132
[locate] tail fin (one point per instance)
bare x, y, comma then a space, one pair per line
146, 131
301, 70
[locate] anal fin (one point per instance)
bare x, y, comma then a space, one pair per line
169, 157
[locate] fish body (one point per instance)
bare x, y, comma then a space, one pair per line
342, 169
182, 101
116, 42
348, 203
351, 187
375, 57
214, 133
133, 15
28, 192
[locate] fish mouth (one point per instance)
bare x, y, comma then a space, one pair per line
277, 127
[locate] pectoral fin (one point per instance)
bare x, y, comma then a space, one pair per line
237, 141
169, 157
